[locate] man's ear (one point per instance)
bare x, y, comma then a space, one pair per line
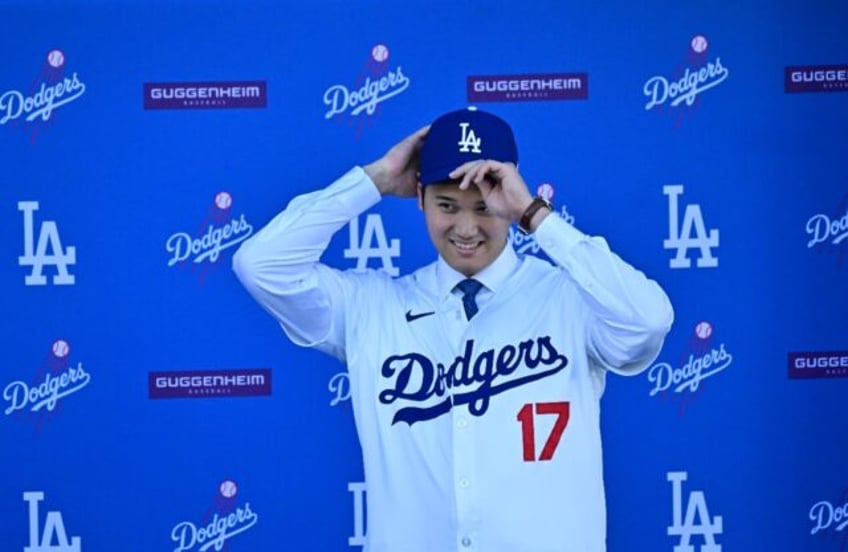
421, 196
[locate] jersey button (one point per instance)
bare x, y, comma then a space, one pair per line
463, 483
466, 542
461, 423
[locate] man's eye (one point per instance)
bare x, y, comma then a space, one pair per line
483, 209
448, 207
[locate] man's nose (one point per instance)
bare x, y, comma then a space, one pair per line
466, 224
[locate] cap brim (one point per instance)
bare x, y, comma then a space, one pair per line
434, 176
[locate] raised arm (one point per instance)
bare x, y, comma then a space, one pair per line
631, 313
279, 266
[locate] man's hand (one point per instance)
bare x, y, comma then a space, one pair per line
396, 173
504, 191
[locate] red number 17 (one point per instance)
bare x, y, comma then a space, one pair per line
528, 432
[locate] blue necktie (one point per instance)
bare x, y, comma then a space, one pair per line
469, 288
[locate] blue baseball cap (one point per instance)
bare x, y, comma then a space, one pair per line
461, 136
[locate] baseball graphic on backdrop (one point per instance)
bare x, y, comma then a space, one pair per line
228, 489
61, 348
699, 44
546, 191
223, 200
56, 58
380, 53
703, 330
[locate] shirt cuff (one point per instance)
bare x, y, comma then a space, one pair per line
557, 237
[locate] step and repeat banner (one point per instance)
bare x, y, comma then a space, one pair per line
149, 404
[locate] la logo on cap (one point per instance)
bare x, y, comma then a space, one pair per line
469, 141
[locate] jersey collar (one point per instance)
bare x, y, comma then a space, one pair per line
492, 277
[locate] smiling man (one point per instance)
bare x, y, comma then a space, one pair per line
478, 406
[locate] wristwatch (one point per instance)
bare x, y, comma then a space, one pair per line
524, 221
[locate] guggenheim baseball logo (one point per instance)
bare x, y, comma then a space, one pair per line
530, 87
55, 380
225, 519
199, 384
205, 95
815, 78
52, 88
808, 365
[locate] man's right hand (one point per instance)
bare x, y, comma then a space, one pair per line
396, 173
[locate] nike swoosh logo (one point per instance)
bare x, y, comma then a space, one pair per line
410, 317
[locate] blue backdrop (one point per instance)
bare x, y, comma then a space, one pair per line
149, 404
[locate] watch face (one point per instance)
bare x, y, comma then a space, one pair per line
524, 221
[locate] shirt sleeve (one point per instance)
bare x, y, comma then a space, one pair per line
630, 314
279, 266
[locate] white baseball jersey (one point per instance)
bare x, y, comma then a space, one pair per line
480, 435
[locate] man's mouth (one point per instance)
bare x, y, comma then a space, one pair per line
466, 247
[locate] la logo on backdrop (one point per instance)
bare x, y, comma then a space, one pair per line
681, 381
55, 380
218, 232
43, 249
224, 519
678, 93
376, 83
694, 520
689, 233
32, 109
54, 536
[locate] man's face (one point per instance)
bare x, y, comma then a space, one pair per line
465, 234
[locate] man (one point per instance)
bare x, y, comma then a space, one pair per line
475, 380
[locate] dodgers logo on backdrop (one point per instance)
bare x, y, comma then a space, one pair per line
697, 74
426, 389
339, 387
358, 490
830, 519
50, 90
219, 231
372, 243
48, 252
696, 520
691, 233
829, 232
55, 380
526, 243
54, 537
226, 519
705, 358
376, 83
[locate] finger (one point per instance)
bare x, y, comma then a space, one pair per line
464, 173
461, 170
